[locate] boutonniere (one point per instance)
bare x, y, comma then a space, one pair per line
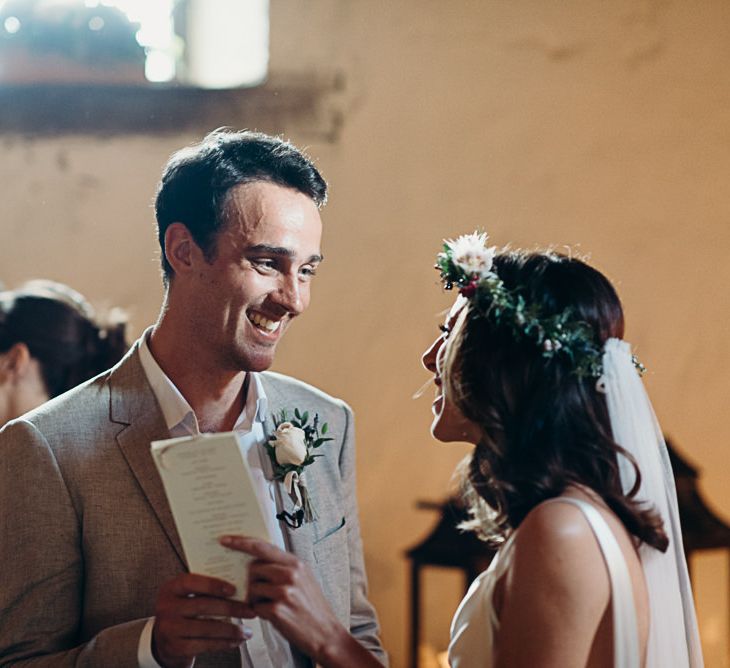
291, 448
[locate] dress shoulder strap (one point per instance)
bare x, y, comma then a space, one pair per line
625, 627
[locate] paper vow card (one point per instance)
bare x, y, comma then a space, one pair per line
210, 491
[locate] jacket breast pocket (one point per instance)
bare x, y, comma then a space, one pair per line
326, 533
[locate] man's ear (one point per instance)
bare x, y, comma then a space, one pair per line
181, 250
15, 362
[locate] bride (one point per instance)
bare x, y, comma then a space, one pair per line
570, 476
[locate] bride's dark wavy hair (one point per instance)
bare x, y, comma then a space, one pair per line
543, 428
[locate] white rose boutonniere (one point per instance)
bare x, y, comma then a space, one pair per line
291, 448
289, 444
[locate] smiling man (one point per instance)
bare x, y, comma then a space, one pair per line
94, 574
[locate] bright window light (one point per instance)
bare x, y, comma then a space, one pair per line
11, 24
156, 34
203, 43
159, 66
227, 42
226, 45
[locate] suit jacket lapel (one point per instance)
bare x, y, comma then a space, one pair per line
300, 540
133, 404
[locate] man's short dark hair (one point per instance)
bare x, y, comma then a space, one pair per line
197, 180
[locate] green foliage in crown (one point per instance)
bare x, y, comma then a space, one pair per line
467, 264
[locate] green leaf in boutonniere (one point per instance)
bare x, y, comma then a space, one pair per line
291, 449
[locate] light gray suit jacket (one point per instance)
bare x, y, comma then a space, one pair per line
87, 536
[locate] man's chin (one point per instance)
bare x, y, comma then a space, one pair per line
258, 367
256, 361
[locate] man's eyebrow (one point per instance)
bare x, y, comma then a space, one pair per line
281, 251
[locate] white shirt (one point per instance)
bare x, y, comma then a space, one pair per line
180, 419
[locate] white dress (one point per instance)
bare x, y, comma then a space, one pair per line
475, 621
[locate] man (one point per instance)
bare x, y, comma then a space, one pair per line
93, 570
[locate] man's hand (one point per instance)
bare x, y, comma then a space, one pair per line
283, 590
183, 626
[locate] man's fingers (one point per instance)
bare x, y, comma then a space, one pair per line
211, 629
262, 571
276, 613
201, 606
259, 592
245, 611
181, 638
258, 548
194, 583
193, 595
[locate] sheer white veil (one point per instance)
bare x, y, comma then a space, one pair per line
673, 634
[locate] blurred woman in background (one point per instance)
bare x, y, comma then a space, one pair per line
50, 341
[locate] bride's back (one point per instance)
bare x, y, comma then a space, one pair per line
554, 600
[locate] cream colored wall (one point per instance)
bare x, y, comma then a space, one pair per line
600, 126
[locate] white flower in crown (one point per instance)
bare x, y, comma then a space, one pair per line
290, 446
470, 253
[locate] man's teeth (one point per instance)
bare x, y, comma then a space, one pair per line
264, 323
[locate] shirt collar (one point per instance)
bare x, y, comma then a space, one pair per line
257, 405
175, 408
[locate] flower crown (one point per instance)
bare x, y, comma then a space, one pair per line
466, 262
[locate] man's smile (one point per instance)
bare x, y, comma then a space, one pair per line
262, 322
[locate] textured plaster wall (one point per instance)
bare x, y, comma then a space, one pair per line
602, 127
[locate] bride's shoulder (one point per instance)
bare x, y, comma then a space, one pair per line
554, 548
556, 523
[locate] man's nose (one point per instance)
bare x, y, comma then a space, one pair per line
289, 295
